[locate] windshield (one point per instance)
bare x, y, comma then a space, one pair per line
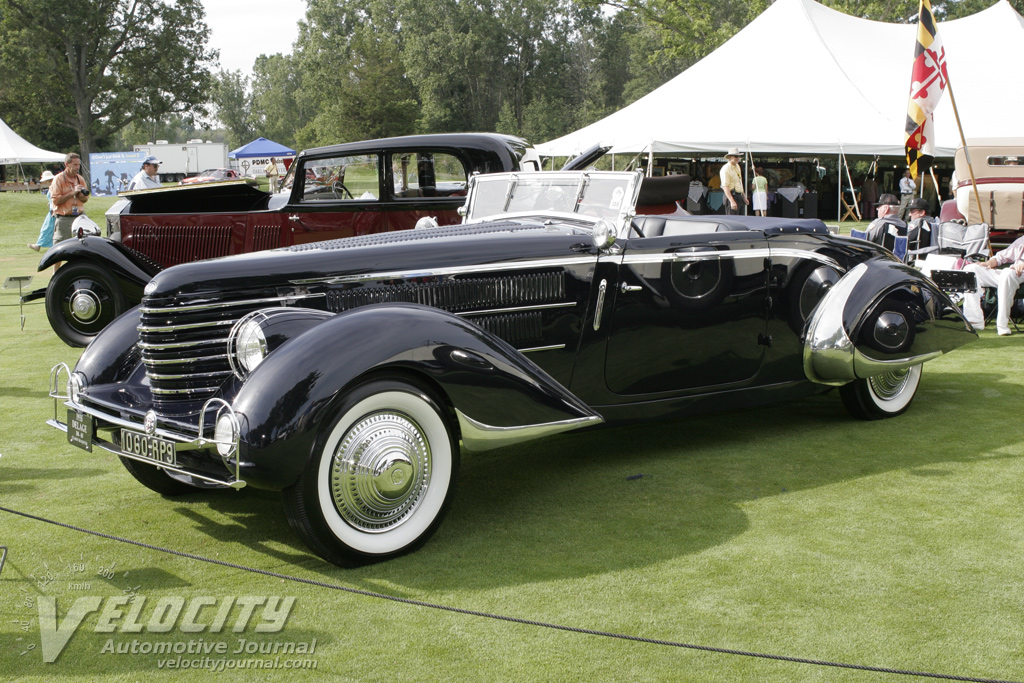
596, 194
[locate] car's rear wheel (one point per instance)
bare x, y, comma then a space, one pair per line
885, 395
81, 300
381, 478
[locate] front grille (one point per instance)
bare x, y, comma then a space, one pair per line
170, 245
184, 346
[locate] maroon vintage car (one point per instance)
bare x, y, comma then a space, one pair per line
344, 190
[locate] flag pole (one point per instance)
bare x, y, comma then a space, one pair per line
967, 153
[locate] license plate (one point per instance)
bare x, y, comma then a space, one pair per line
81, 427
149, 447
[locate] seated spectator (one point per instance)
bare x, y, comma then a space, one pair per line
921, 227
1005, 280
887, 226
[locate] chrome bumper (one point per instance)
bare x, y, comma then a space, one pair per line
182, 442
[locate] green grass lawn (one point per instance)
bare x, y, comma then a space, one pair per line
791, 530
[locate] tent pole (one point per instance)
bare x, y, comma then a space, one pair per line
839, 187
853, 192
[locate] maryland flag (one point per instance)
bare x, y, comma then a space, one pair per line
927, 82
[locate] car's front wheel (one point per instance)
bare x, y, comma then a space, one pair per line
381, 478
882, 396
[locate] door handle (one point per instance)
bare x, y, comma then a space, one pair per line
629, 288
294, 217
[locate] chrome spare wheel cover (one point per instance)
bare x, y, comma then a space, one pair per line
85, 305
380, 472
889, 385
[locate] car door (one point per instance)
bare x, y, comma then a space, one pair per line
340, 196
689, 309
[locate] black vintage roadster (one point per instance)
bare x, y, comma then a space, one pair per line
346, 373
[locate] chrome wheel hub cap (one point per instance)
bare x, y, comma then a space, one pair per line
380, 471
85, 305
889, 385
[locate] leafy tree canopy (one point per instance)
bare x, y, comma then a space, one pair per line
97, 66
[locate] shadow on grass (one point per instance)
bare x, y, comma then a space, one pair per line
569, 507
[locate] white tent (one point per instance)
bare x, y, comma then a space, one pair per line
14, 149
806, 79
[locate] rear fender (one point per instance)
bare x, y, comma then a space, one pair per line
498, 395
882, 316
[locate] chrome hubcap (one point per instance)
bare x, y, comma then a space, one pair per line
380, 471
85, 305
889, 385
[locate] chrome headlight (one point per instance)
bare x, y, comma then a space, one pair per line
247, 345
226, 434
603, 234
76, 382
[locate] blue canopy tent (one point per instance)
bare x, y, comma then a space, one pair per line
261, 147
256, 155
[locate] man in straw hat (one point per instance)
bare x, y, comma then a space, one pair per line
732, 182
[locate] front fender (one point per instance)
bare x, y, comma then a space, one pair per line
499, 396
112, 256
880, 317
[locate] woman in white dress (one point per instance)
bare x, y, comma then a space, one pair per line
760, 185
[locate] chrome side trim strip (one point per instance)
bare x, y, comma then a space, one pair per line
453, 270
553, 347
517, 309
477, 436
733, 254
229, 304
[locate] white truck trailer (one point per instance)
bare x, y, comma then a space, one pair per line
181, 160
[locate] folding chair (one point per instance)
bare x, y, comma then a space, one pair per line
963, 239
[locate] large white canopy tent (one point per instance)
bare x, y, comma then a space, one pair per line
805, 79
15, 149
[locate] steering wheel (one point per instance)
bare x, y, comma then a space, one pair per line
340, 189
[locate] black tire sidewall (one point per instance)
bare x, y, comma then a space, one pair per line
58, 287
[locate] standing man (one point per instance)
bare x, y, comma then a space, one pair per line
271, 171
147, 179
732, 182
68, 193
907, 187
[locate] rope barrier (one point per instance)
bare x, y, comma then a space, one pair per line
506, 618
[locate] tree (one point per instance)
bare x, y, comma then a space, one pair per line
231, 98
102, 64
277, 112
349, 55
